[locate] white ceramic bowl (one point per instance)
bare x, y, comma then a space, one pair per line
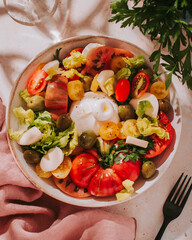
47, 185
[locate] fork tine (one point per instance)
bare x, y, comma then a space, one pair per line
174, 188
178, 191
182, 194
186, 196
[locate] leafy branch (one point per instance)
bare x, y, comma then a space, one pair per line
165, 22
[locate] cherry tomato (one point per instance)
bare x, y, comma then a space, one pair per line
84, 166
161, 144
56, 96
128, 170
99, 60
140, 84
75, 50
69, 187
122, 90
64, 168
159, 90
37, 82
104, 183
117, 63
42, 173
109, 131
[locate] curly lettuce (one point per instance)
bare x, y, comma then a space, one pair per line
123, 73
135, 62
147, 128
51, 136
74, 61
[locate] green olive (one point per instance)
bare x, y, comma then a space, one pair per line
87, 83
31, 156
148, 169
164, 105
36, 103
147, 71
63, 122
87, 139
126, 112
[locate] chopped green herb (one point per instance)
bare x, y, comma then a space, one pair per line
122, 151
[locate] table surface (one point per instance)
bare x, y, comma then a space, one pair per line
19, 43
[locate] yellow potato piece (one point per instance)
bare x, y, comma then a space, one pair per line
64, 168
130, 128
109, 131
42, 173
159, 90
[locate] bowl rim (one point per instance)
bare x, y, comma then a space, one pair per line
10, 142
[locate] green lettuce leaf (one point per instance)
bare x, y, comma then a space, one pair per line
147, 128
71, 72
123, 73
135, 62
74, 61
25, 95
24, 116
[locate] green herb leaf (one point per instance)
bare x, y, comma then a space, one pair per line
173, 32
56, 57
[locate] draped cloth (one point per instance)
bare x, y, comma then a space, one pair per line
26, 213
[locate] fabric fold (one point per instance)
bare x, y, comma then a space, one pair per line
26, 213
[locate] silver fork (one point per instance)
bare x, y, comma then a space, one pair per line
175, 203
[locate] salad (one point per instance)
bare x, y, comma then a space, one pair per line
94, 121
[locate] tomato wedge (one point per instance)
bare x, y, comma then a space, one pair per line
56, 96
123, 52
105, 183
122, 90
67, 186
128, 170
140, 84
84, 166
99, 60
37, 82
161, 144
75, 50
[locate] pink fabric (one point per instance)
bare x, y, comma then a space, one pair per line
26, 213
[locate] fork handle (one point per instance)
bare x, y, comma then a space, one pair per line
162, 229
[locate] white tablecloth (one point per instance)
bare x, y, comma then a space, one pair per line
19, 43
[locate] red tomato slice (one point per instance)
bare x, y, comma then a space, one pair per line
75, 50
67, 186
161, 144
122, 90
56, 96
123, 52
105, 183
55, 113
37, 82
128, 170
99, 60
139, 84
93, 152
84, 166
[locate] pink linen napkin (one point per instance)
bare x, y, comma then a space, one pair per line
27, 214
